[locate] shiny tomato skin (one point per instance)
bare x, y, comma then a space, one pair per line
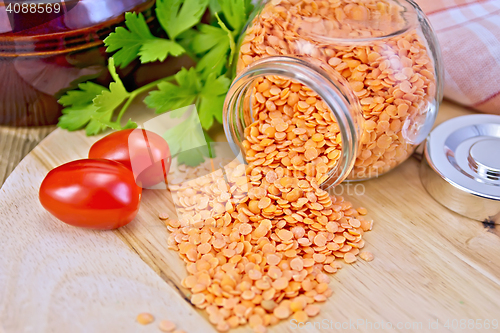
91, 193
144, 152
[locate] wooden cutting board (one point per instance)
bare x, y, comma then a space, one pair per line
430, 264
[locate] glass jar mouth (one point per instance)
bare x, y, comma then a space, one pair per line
328, 86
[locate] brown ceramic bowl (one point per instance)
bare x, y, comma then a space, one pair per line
40, 62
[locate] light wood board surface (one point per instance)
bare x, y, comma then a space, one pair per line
16, 143
430, 264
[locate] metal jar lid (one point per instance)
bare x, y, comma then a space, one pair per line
461, 166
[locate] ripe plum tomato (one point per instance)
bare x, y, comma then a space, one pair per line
92, 193
144, 152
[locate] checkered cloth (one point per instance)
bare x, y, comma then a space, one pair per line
469, 34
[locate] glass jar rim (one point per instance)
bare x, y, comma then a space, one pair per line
345, 109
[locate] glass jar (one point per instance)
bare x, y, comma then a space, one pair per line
44, 55
365, 75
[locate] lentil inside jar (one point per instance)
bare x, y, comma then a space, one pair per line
377, 50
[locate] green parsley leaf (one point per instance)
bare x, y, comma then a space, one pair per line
108, 100
232, 44
176, 19
235, 12
211, 46
193, 157
185, 40
79, 109
187, 140
93, 105
171, 97
214, 61
212, 100
129, 125
84, 95
139, 41
94, 127
214, 44
128, 42
208, 96
103, 119
196, 156
214, 6
188, 78
159, 49
207, 38
76, 117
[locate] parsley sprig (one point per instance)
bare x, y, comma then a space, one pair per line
211, 45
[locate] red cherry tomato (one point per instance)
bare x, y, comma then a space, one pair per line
145, 153
97, 194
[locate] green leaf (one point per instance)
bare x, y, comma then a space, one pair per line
214, 6
105, 120
93, 106
214, 61
128, 43
207, 38
84, 95
209, 97
232, 44
109, 100
215, 85
94, 127
213, 43
188, 79
209, 108
159, 49
112, 70
187, 140
175, 18
130, 125
235, 12
185, 40
212, 100
80, 110
193, 157
171, 97
76, 117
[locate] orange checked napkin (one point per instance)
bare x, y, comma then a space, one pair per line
469, 34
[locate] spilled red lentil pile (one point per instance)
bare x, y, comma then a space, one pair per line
264, 259
257, 247
258, 240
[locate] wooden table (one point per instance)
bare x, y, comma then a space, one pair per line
431, 265
16, 143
